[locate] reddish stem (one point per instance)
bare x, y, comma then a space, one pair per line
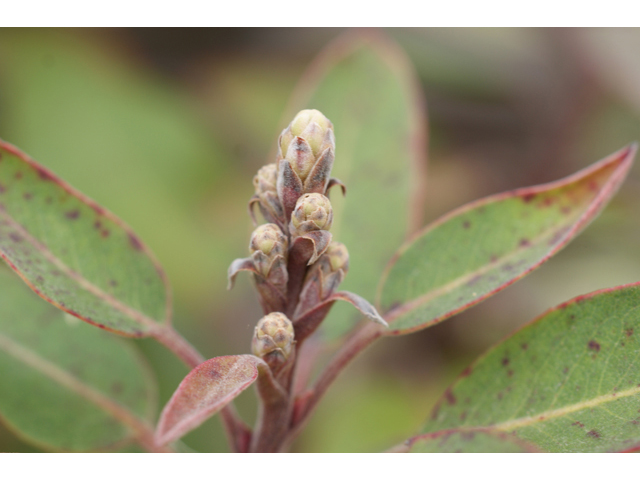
356, 343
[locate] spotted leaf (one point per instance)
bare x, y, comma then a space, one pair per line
567, 382
75, 254
481, 248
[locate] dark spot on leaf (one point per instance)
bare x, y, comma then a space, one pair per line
548, 202
524, 242
2, 189
593, 185
510, 373
500, 395
593, 345
466, 372
105, 233
528, 197
97, 225
27, 196
450, 397
463, 415
565, 210
44, 175
593, 434
524, 346
117, 388
505, 362
72, 214
565, 370
577, 424
113, 283
466, 224
48, 200
18, 175
15, 237
628, 332
39, 279
494, 258
475, 280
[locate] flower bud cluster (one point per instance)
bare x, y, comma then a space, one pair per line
294, 263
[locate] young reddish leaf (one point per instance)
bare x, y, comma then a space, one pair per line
567, 382
481, 248
67, 386
204, 392
75, 254
309, 321
468, 441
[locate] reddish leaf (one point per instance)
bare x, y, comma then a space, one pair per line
204, 392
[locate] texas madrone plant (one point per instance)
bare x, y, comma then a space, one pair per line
565, 382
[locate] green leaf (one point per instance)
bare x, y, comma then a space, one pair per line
67, 386
473, 441
75, 254
567, 382
481, 248
367, 88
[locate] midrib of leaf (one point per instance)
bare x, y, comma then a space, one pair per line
544, 416
141, 430
460, 281
82, 282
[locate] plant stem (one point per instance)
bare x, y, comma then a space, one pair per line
274, 414
356, 343
237, 432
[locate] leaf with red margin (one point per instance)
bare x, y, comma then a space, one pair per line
468, 441
75, 254
204, 392
485, 246
567, 382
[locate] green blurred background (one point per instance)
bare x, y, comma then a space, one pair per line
166, 128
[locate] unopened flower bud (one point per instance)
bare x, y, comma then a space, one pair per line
266, 195
335, 258
313, 212
265, 179
308, 145
267, 243
269, 239
273, 339
311, 125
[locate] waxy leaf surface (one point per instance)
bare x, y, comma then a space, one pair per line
568, 382
64, 385
367, 88
74, 254
481, 248
462, 441
204, 392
